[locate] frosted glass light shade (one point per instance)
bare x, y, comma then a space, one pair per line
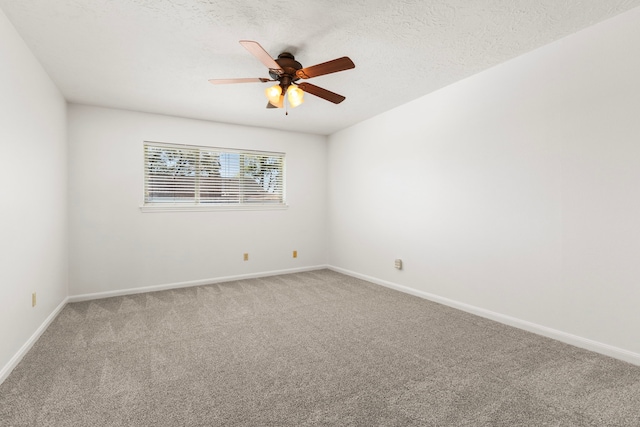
273, 94
279, 102
295, 96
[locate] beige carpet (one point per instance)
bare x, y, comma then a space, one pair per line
306, 349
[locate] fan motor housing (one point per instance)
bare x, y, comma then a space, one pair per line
289, 65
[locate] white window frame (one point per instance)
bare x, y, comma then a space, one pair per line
195, 204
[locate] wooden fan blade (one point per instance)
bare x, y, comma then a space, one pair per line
270, 105
321, 93
328, 67
247, 80
263, 56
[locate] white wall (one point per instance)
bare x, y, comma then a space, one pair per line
114, 246
33, 195
516, 191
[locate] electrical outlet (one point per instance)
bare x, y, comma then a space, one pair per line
295, 254
33, 299
398, 264
246, 257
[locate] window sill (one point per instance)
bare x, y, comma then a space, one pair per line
205, 208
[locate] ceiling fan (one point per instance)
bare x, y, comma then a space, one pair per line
286, 71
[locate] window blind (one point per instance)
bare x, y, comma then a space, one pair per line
196, 175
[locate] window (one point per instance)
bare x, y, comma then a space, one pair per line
186, 176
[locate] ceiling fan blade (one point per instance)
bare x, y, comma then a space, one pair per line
321, 93
247, 80
258, 51
328, 67
270, 105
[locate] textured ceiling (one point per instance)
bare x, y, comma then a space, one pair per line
157, 55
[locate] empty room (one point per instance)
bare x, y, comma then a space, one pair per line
320, 213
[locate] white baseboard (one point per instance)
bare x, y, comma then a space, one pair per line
176, 285
6, 369
585, 343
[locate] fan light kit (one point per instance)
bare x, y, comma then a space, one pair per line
286, 70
